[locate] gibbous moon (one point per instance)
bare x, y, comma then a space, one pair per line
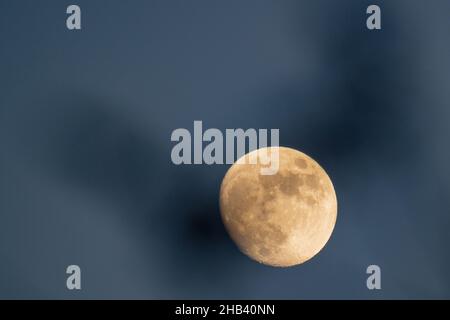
283, 219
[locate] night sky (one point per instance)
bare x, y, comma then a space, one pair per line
86, 117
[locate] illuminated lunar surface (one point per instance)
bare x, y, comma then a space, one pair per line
282, 219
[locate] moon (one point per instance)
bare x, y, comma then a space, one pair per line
282, 219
